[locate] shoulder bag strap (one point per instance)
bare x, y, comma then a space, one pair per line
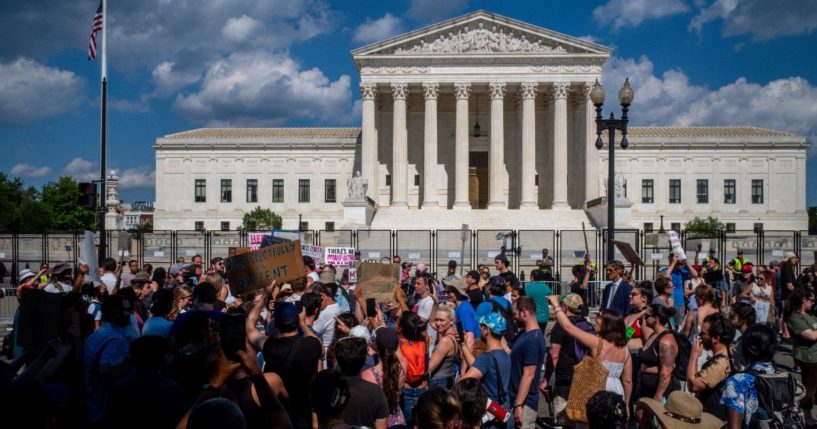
499, 388
598, 349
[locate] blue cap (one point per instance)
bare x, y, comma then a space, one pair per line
495, 322
285, 313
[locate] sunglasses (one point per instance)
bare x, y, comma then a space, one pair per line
634, 294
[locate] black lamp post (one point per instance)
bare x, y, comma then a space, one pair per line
625, 98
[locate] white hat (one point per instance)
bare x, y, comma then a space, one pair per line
789, 255
26, 273
360, 331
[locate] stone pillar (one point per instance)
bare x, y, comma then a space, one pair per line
591, 158
462, 91
431, 91
368, 140
399, 172
497, 149
560, 146
527, 90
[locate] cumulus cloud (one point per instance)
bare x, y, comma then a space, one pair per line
81, 170
378, 29
168, 80
761, 19
30, 91
240, 29
139, 177
26, 170
630, 13
788, 104
431, 10
262, 88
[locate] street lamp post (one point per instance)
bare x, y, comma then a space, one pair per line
625, 98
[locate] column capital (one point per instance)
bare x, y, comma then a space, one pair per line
528, 89
368, 90
431, 90
583, 90
399, 90
560, 90
462, 90
497, 89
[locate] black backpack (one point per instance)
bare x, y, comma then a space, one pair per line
778, 407
682, 360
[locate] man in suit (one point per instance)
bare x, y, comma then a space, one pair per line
616, 294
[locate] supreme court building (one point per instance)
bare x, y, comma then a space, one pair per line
483, 120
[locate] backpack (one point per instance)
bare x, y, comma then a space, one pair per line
579, 350
777, 401
682, 360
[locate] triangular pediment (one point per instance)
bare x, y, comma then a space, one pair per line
480, 33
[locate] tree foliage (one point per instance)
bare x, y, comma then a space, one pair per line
54, 208
709, 227
261, 220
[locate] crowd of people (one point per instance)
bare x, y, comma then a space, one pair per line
174, 347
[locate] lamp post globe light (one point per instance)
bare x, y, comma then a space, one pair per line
625, 98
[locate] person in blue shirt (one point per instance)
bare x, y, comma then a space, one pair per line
539, 291
158, 324
527, 356
465, 313
496, 294
739, 394
679, 272
493, 367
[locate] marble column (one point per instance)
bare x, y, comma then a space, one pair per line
560, 146
431, 91
527, 90
496, 153
462, 90
368, 141
399, 171
591, 154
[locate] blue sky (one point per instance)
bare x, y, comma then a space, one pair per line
178, 65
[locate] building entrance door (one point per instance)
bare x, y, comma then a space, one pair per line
478, 180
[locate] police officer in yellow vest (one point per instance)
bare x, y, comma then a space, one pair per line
736, 264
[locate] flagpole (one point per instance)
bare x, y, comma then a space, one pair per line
103, 136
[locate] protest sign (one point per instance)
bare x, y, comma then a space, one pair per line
232, 251
255, 239
378, 280
628, 252
675, 245
257, 269
339, 256
353, 275
89, 254
315, 252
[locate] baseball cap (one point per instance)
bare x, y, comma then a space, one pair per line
789, 255
452, 264
360, 331
421, 267
495, 322
285, 313
176, 268
740, 251
573, 301
141, 276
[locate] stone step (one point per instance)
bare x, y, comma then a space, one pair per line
437, 219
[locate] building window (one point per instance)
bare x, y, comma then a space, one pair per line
675, 191
226, 190
647, 191
252, 190
648, 227
200, 191
536, 180
388, 180
675, 226
303, 190
416, 180
758, 227
199, 225
703, 191
303, 226
329, 187
330, 227
729, 191
757, 191
730, 227
225, 226
277, 190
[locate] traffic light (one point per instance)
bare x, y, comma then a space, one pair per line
87, 195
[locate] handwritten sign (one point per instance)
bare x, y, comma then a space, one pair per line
257, 269
315, 252
352, 275
378, 280
255, 239
232, 251
339, 256
675, 245
628, 252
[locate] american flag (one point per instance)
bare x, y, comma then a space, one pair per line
95, 27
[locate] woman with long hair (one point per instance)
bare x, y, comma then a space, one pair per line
411, 329
615, 357
658, 356
157, 278
443, 365
182, 296
389, 373
803, 329
705, 297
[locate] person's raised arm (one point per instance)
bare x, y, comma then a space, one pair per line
255, 338
587, 339
692, 271
694, 383
667, 351
83, 269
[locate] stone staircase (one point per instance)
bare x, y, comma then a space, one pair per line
487, 219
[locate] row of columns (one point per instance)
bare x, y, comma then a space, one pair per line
462, 92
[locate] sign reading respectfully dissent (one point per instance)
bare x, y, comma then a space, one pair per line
628, 252
257, 269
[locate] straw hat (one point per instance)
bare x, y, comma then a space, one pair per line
682, 411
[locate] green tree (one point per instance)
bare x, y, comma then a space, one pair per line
20, 208
709, 227
812, 220
260, 220
62, 197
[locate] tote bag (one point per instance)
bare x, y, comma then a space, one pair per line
589, 377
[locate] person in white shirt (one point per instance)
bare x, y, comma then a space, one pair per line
108, 277
324, 326
60, 280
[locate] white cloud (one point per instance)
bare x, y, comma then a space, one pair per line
140, 177
130, 106
261, 88
30, 91
378, 29
25, 170
761, 19
241, 28
432, 10
81, 170
788, 104
168, 80
630, 13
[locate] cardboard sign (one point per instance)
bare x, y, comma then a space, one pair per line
628, 252
249, 271
232, 251
339, 256
378, 280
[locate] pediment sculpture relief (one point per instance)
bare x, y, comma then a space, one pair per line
480, 40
